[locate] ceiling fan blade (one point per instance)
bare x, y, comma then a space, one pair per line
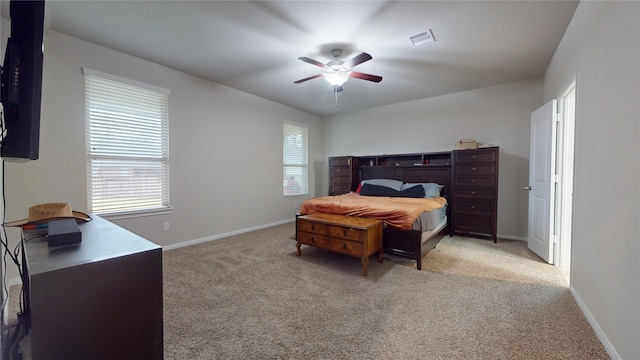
363, 76
309, 78
313, 62
357, 60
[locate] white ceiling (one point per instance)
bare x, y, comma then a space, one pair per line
253, 46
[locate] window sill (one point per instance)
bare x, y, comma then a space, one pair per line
136, 214
295, 196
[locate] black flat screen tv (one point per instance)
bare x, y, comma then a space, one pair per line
22, 81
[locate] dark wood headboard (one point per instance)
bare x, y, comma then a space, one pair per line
440, 174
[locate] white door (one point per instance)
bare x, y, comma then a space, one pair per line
564, 196
541, 182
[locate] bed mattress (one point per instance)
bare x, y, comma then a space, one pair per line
428, 220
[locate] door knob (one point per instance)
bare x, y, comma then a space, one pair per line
528, 187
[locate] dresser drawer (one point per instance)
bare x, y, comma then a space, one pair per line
335, 189
340, 161
346, 233
340, 179
339, 171
481, 224
314, 227
477, 156
475, 193
481, 181
476, 169
476, 207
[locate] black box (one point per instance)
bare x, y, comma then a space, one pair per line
64, 232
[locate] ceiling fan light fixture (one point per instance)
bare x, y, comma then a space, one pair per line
336, 78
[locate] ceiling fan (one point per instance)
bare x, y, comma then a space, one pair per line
337, 72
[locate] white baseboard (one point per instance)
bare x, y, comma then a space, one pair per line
511, 237
225, 235
596, 328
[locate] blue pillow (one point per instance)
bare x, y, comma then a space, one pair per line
430, 189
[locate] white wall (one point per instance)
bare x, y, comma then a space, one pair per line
498, 115
602, 48
225, 145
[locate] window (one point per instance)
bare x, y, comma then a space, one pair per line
294, 159
127, 137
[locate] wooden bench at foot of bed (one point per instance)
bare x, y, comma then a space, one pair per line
349, 235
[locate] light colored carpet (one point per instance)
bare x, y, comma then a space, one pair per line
250, 297
509, 260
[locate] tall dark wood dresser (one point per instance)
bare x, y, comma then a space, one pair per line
341, 175
475, 186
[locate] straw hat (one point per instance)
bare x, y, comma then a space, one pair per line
43, 213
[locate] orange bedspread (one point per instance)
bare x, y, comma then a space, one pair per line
398, 212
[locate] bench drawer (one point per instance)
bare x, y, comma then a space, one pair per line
346, 233
313, 227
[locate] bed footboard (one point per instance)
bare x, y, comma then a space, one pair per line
408, 243
405, 243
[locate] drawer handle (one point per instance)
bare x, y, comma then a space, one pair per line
473, 180
473, 206
473, 193
474, 157
473, 169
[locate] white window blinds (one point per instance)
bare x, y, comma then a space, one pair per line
127, 136
294, 150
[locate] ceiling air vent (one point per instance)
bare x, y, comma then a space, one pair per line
422, 38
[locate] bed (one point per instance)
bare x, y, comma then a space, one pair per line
414, 222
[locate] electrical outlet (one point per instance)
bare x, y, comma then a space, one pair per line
165, 226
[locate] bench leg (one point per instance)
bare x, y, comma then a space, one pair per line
365, 265
298, 247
